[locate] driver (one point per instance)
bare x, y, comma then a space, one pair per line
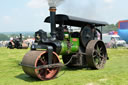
93, 32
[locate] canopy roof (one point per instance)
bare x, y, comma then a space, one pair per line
75, 21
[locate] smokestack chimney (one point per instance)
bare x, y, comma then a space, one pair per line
52, 21
20, 37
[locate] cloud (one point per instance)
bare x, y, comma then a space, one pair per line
109, 4
7, 19
37, 3
108, 1
79, 8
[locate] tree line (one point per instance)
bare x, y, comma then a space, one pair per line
6, 37
110, 27
106, 29
3, 37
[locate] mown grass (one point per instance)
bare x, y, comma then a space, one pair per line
114, 73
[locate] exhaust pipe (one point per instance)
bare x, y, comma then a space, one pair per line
52, 21
20, 37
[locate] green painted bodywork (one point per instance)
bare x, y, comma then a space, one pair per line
69, 45
64, 48
75, 44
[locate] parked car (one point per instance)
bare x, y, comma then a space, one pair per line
112, 41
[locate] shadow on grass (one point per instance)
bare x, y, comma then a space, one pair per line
63, 69
27, 78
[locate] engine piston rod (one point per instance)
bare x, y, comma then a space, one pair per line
44, 66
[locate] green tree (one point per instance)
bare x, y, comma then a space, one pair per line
3, 37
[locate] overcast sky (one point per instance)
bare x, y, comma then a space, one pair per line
28, 15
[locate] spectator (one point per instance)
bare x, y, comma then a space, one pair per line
113, 43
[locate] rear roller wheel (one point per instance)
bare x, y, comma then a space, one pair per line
39, 58
96, 54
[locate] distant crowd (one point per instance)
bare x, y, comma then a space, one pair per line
4, 43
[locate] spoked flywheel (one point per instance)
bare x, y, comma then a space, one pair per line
96, 54
37, 59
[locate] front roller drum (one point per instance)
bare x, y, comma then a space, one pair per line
11, 45
34, 59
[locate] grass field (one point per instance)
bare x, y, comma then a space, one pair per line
114, 73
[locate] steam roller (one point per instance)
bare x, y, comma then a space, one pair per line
17, 43
83, 48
